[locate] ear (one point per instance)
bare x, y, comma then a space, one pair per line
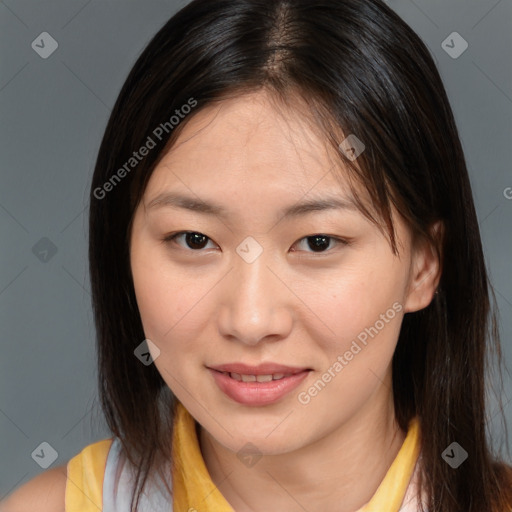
425, 272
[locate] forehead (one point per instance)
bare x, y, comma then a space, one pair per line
249, 146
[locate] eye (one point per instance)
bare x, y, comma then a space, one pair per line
318, 243
193, 239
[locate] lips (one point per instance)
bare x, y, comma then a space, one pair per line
257, 385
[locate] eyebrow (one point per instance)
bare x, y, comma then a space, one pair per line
176, 200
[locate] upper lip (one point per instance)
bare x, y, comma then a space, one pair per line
261, 369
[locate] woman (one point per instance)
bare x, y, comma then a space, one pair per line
288, 281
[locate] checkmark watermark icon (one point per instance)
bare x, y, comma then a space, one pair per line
352, 147
44, 250
45, 455
249, 455
146, 352
249, 249
454, 45
44, 45
454, 455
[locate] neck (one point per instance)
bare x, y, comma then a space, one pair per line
338, 473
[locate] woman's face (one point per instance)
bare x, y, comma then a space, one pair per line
254, 285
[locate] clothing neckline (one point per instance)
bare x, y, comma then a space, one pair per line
193, 487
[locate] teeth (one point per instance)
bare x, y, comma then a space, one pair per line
263, 378
255, 378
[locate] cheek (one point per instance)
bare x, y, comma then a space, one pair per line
161, 297
362, 305
366, 323
169, 302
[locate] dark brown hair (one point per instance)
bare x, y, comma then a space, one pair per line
360, 69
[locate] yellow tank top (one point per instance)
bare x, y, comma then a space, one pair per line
191, 482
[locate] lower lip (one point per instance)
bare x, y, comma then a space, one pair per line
257, 393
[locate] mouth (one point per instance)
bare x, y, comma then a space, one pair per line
263, 369
256, 378
258, 386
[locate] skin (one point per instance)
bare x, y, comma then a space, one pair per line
292, 305
44, 493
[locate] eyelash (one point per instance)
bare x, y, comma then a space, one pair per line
173, 236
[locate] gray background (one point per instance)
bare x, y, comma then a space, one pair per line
53, 112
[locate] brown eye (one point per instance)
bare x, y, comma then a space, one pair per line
193, 239
320, 243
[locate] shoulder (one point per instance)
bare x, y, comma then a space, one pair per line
49, 492
45, 493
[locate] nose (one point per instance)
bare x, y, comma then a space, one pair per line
255, 303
